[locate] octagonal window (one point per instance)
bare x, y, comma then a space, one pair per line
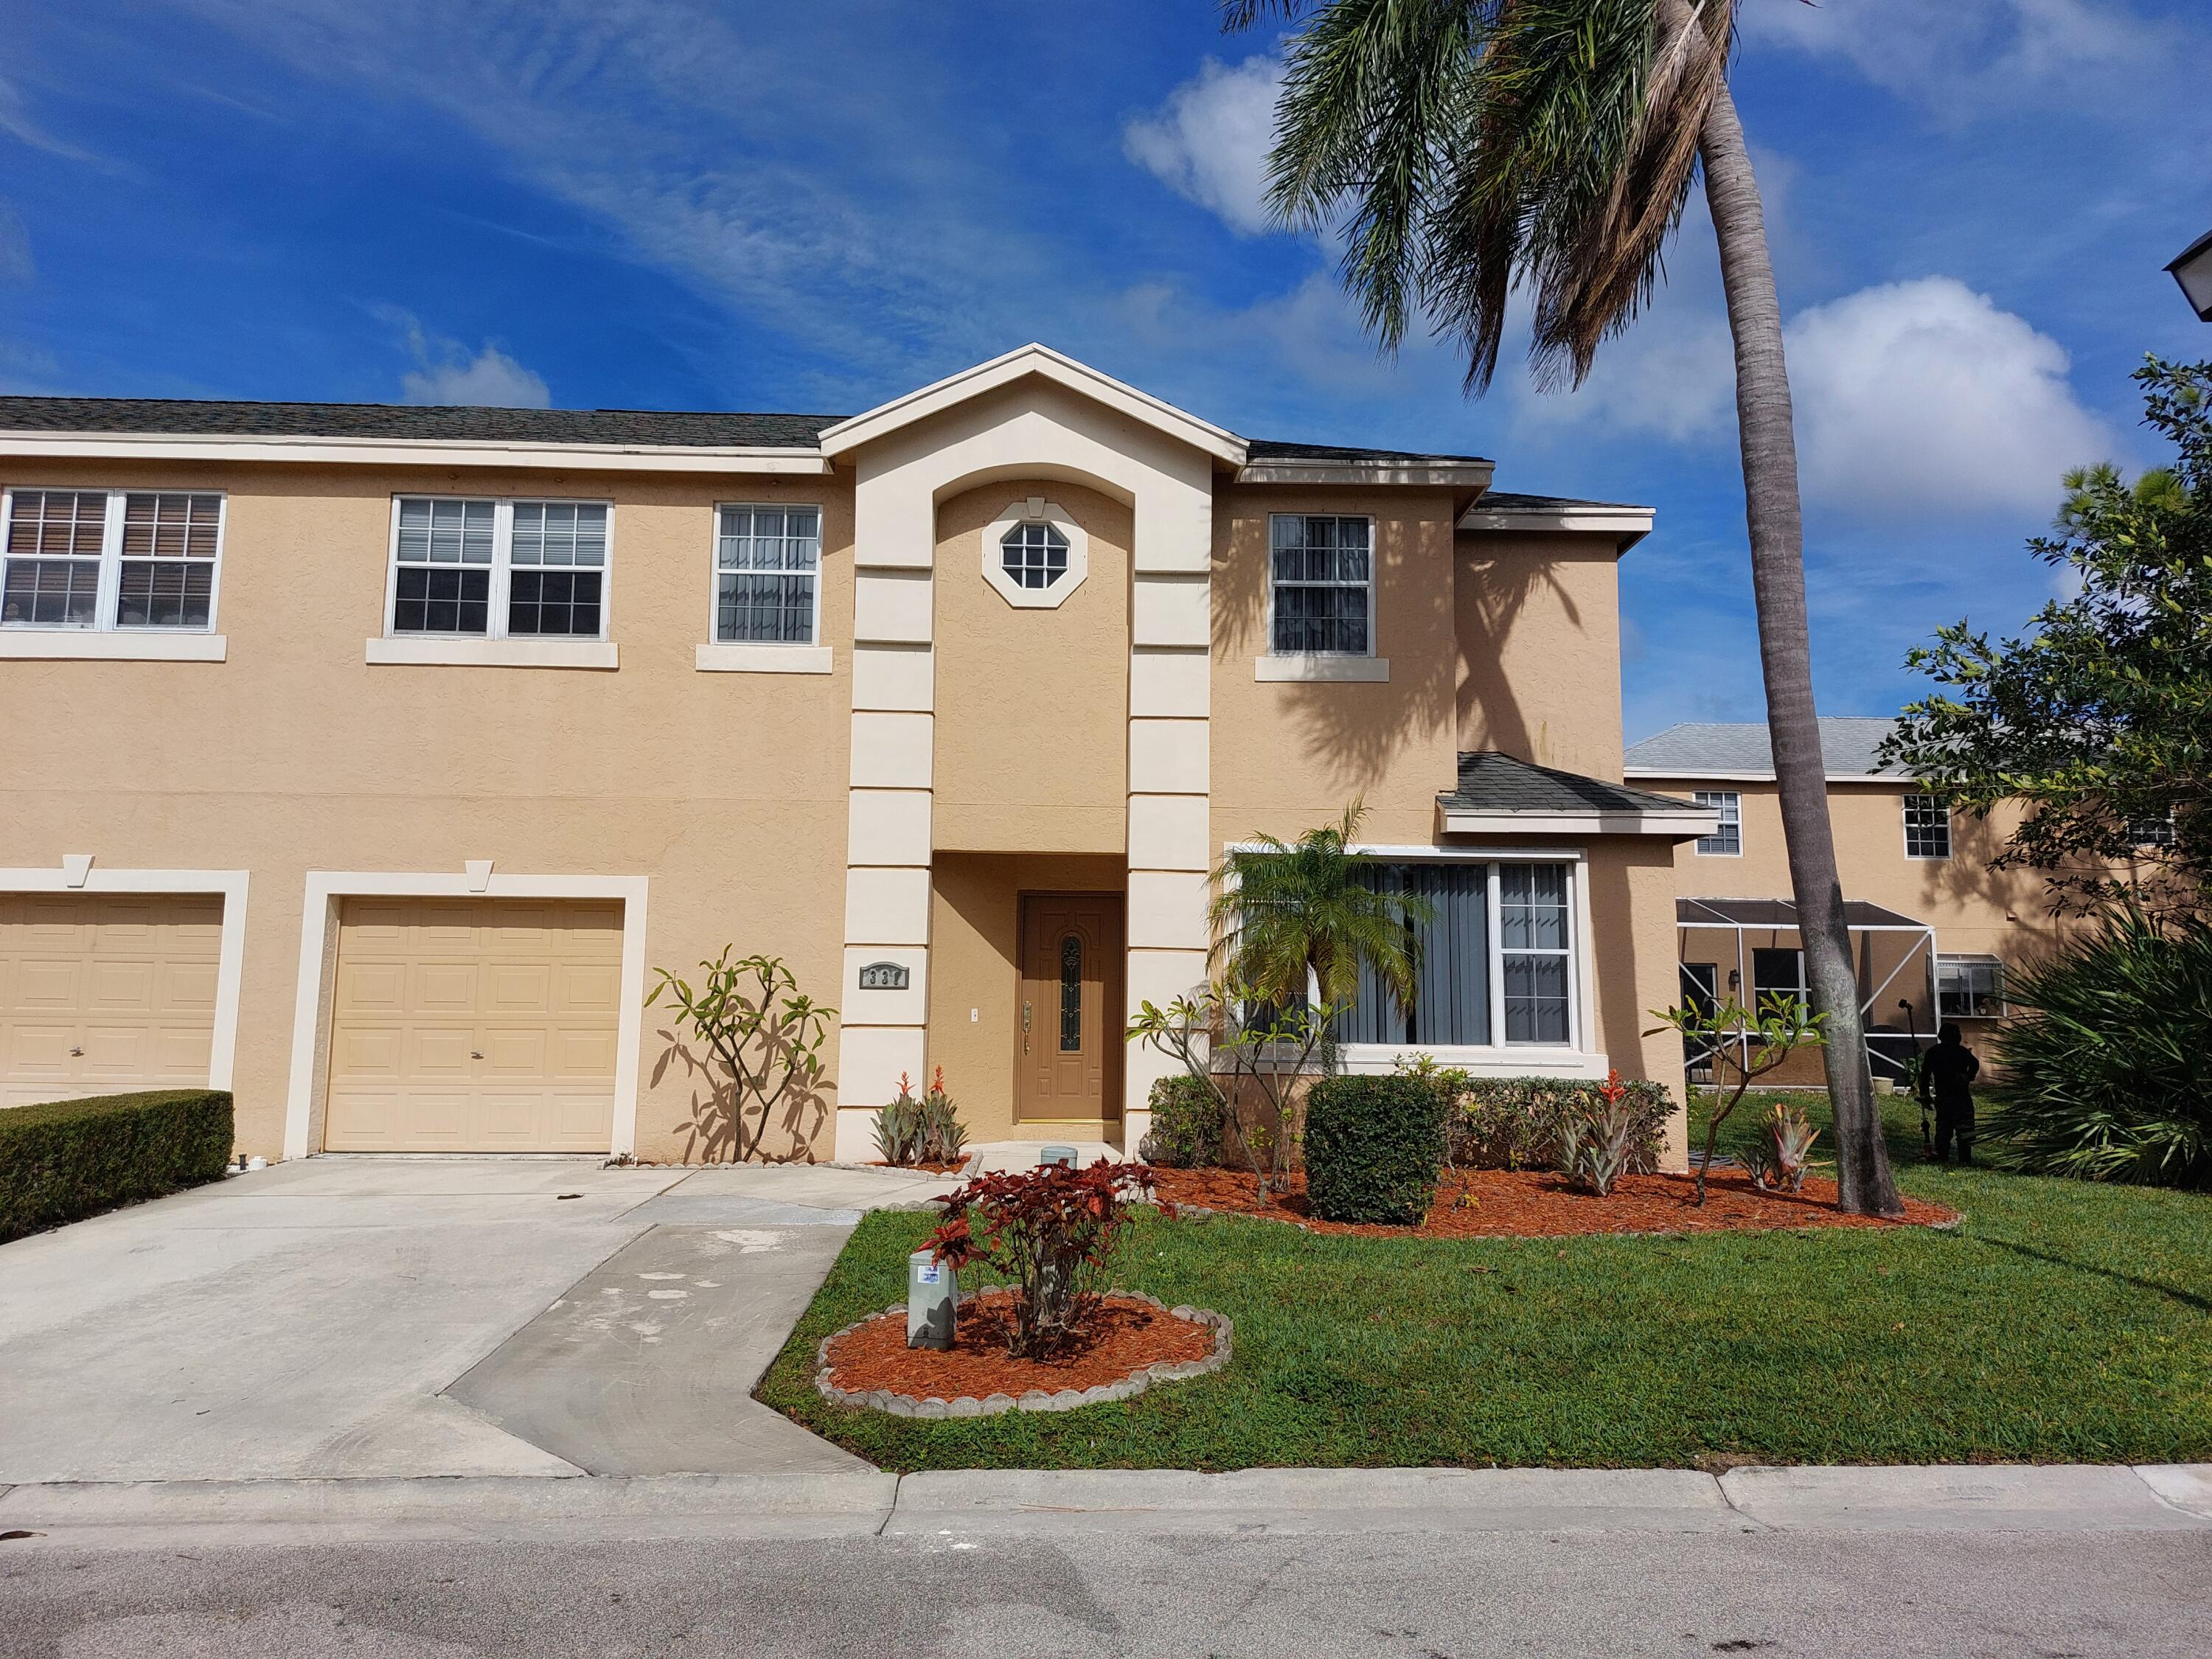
1034, 555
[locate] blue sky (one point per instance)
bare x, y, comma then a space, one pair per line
679, 203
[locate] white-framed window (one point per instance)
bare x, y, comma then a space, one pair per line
2152, 832
1968, 987
768, 574
1320, 584
126, 560
1497, 964
489, 568
1033, 554
1726, 842
1927, 827
1777, 971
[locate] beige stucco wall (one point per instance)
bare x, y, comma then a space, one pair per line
1032, 704
1539, 631
294, 753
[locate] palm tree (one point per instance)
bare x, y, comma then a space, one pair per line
1471, 148
1282, 909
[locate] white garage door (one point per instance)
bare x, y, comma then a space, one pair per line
103, 993
474, 1025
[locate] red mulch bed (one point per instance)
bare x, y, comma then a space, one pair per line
923, 1169
1539, 1204
1129, 1335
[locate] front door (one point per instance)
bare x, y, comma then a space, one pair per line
1068, 1030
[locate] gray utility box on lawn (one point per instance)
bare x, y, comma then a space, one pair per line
932, 1298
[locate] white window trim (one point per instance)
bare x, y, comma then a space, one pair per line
205, 644
517, 651
79, 872
720, 656
1944, 958
1036, 509
1323, 664
1499, 1058
1718, 806
318, 927
1905, 829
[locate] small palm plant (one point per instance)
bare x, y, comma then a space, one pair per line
1283, 911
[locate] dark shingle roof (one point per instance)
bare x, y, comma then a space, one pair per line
1492, 782
466, 423
1741, 748
1506, 500
1273, 449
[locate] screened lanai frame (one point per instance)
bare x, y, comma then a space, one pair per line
1865, 921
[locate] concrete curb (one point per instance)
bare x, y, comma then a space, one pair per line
1025, 1501
934, 1407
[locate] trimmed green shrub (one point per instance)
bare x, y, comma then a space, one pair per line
2104, 1074
1186, 1131
73, 1158
1521, 1122
1373, 1145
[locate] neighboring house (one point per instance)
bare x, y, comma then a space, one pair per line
366, 760
1933, 927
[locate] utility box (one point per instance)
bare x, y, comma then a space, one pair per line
932, 1298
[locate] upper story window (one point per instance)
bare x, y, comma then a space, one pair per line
1727, 840
1927, 827
485, 568
1321, 584
111, 559
768, 575
1034, 555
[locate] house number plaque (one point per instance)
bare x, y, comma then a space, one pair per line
884, 976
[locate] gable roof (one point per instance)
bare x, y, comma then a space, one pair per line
1741, 750
1498, 793
1020, 363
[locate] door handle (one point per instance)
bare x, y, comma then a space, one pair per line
1025, 1028
76, 1054
476, 1053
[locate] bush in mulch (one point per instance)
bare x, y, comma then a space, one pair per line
1186, 1131
1540, 1204
1372, 1147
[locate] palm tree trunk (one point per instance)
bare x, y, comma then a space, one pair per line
1785, 652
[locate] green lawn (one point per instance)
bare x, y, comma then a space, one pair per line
2061, 1321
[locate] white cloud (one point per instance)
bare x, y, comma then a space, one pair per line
1209, 141
15, 120
1968, 52
445, 373
1925, 397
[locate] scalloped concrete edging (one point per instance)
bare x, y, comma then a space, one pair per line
934, 1407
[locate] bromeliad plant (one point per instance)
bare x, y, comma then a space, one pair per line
762, 1032
1237, 1046
1598, 1139
910, 1132
1054, 1233
1778, 1159
1747, 1044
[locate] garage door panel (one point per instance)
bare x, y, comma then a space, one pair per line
103, 992
481, 1051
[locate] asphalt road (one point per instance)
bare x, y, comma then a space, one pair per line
1408, 1596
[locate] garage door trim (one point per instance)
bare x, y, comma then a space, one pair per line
80, 872
319, 923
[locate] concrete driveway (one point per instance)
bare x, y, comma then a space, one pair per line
354, 1316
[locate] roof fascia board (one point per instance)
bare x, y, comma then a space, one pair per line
1630, 525
1678, 826
411, 452
1438, 474
1737, 775
1003, 371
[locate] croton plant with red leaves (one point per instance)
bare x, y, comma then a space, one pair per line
1052, 1233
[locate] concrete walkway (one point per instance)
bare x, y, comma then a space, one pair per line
312, 1321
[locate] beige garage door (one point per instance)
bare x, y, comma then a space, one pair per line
100, 993
474, 1025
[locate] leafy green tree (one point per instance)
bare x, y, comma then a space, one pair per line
1281, 908
2098, 717
763, 1033
1744, 1042
1473, 149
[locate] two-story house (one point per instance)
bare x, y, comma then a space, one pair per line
368, 761
1933, 926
